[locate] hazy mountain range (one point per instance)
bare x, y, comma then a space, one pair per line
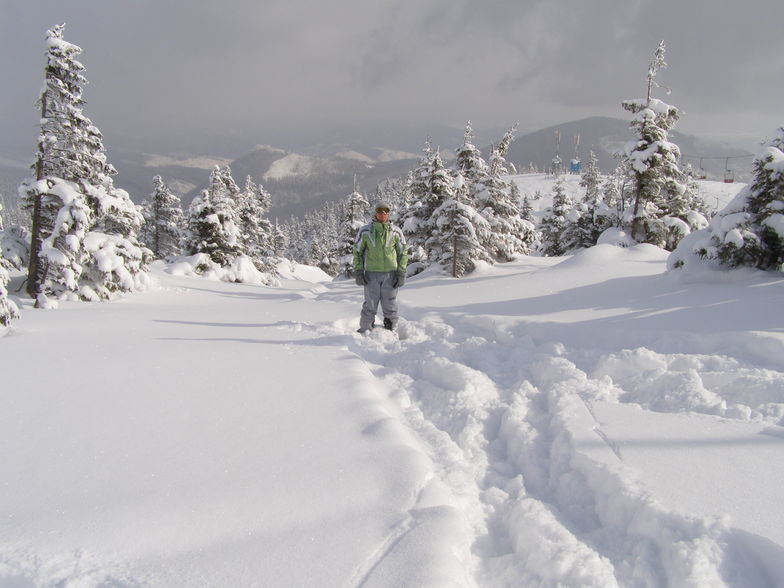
301, 180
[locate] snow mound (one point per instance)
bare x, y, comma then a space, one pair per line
306, 273
241, 270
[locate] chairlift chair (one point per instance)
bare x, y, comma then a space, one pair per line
729, 175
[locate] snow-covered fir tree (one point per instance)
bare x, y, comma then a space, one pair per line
459, 231
750, 229
469, 163
280, 240
256, 231
503, 147
315, 239
660, 213
14, 243
554, 220
8, 309
415, 216
14, 215
526, 208
203, 229
508, 234
295, 240
440, 189
212, 220
396, 191
355, 215
326, 237
83, 236
584, 223
162, 232
614, 195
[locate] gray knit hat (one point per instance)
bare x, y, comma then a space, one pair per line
382, 204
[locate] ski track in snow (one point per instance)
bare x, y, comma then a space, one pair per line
525, 487
506, 423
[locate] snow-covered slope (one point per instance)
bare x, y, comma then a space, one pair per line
716, 194
579, 421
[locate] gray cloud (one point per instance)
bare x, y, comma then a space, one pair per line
186, 68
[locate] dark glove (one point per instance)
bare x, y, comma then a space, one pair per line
401, 278
360, 278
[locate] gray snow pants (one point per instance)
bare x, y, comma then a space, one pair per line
379, 289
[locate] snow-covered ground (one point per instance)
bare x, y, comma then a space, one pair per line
580, 421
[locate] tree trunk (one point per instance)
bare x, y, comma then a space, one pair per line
636, 229
454, 256
35, 267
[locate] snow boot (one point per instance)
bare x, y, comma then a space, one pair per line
363, 330
389, 325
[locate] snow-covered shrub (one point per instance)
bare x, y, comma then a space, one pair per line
15, 246
750, 229
8, 309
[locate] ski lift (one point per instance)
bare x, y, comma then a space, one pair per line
701, 173
729, 175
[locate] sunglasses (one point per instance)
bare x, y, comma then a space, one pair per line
382, 210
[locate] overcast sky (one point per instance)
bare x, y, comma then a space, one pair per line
188, 68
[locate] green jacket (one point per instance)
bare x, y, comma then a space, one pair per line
380, 247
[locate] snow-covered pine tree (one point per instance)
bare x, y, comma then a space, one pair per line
355, 214
552, 226
532, 237
14, 215
614, 194
315, 238
505, 143
280, 240
256, 233
212, 221
526, 209
8, 309
325, 236
440, 189
694, 202
14, 242
414, 218
660, 213
204, 230
296, 244
83, 238
470, 164
583, 225
162, 232
60, 104
459, 231
508, 233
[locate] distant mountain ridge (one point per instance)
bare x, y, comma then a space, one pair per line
303, 180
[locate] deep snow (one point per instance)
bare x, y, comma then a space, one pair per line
590, 420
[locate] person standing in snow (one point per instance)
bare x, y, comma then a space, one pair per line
380, 259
